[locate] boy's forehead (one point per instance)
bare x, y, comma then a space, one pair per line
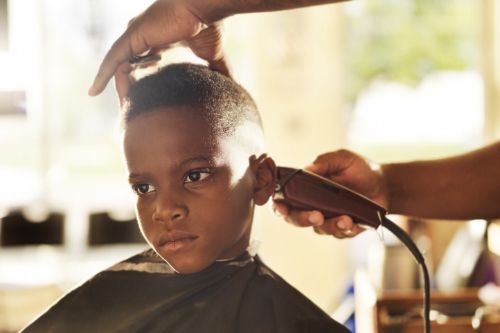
161, 118
185, 128
198, 117
217, 119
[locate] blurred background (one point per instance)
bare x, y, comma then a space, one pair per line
392, 80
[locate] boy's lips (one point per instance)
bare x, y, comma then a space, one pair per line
175, 240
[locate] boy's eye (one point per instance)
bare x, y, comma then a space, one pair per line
141, 189
197, 175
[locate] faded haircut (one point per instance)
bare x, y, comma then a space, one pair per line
222, 102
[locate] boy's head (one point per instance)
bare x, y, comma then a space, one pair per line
193, 144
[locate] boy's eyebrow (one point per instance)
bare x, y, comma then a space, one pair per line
200, 158
133, 176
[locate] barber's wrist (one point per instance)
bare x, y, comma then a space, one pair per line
388, 187
210, 11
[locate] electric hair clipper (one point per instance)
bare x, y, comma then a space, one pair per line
304, 190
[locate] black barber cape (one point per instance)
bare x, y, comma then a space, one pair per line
143, 294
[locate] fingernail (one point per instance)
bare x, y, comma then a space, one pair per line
92, 90
342, 225
314, 218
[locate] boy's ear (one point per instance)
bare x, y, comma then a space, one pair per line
264, 170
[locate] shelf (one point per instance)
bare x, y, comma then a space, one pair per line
399, 311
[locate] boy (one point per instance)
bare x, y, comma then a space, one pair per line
193, 144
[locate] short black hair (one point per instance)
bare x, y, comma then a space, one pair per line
221, 101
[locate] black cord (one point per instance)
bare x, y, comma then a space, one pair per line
408, 242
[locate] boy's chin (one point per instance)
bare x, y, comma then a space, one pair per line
185, 266
192, 259
189, 269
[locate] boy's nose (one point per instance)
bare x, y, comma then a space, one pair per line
167, 209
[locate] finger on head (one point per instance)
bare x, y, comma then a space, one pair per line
123, 80
119, 53
151, 59
207, 44
220, 66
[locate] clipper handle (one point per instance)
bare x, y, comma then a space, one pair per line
304, 190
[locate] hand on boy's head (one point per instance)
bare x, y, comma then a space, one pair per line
124, 77
152, 31
208, 46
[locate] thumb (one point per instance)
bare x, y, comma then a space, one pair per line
315, 168
322, 168
333, 164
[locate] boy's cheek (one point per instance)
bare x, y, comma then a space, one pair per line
144, 205
144, 214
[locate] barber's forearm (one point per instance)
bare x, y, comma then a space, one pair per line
461, 187
211, 11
